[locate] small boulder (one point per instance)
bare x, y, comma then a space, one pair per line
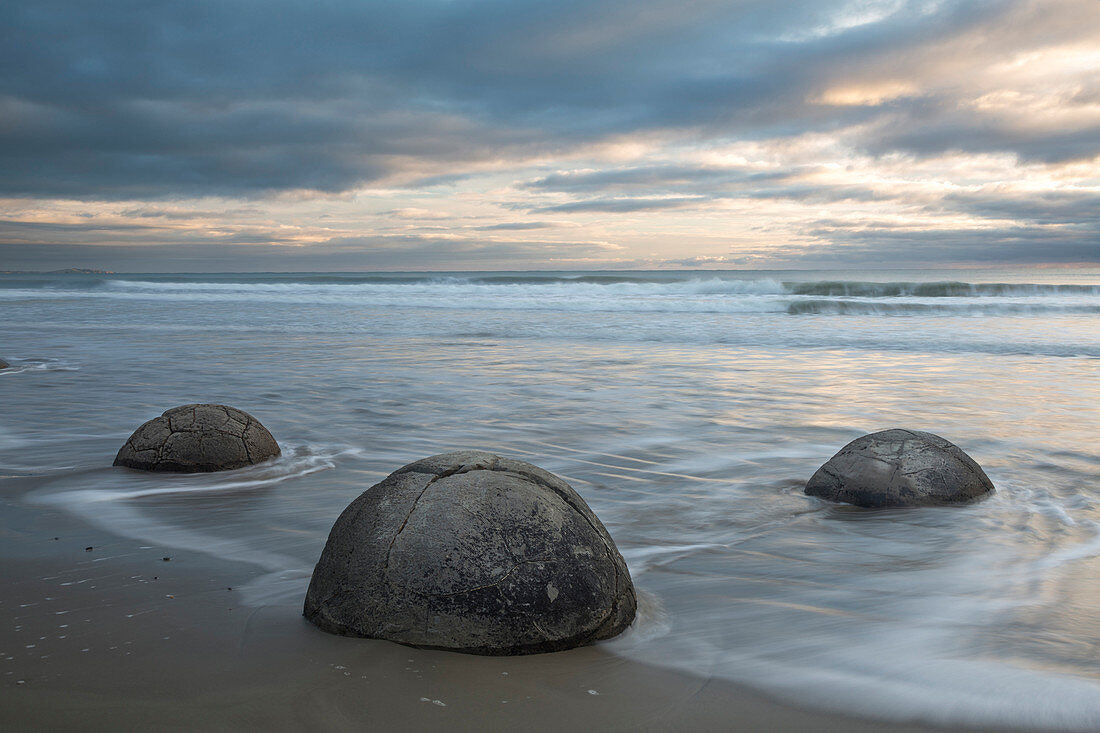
198, 438
900, 468
4, 364
473, 553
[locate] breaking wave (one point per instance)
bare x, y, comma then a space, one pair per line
721, 293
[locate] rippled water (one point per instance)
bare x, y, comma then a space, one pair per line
687, 408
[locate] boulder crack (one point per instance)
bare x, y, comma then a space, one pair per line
393, 541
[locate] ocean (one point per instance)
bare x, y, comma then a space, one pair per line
687, 408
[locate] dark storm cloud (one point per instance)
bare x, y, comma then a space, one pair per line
1078, 208
1011, 245
623, 205
944, 129
171, 252
700, 185
518, 226
821, 194
28, 234
152, 212
653, 178
143, 100
735, 183
889, 244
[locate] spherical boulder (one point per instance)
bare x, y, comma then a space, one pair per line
198, 438
900, 468
474, 553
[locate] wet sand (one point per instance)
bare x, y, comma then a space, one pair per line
118, 638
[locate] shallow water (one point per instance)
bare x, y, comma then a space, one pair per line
687, 408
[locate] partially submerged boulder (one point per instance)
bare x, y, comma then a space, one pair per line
900, 468
4, 364
474, 553
198, 438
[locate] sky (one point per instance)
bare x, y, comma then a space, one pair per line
268, 135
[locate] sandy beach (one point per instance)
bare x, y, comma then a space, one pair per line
118, 638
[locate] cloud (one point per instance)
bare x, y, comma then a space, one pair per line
153, 100
1020, 245
1078, 208
622, 205
519, 226
122, 252
714, 261
227, 121
653, 178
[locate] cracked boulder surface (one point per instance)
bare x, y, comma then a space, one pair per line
475, 553
198, 438
900, 468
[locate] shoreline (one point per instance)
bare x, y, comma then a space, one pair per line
117, 637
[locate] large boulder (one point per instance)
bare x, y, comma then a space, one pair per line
196, 438
474, 553
900, 468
